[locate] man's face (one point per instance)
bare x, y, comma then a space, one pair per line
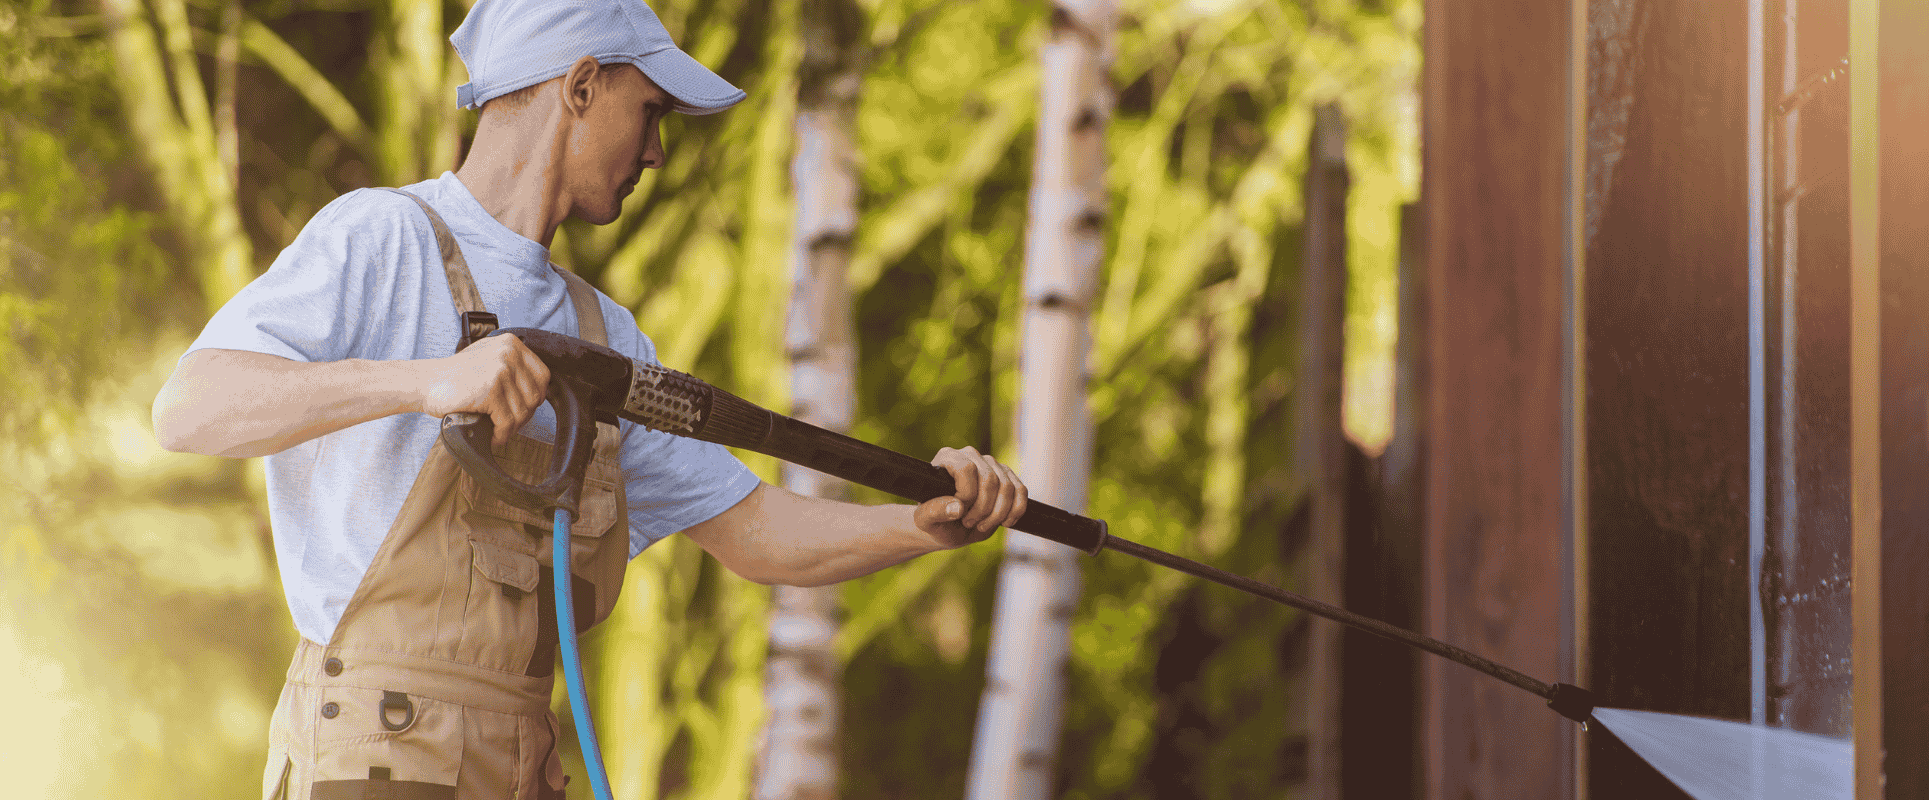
614, 142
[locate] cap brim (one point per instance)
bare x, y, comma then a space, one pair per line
696, 89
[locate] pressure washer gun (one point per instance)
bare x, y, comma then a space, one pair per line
590, 383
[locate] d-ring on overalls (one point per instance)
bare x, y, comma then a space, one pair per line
437, 682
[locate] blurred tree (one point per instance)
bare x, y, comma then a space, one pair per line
78, 271
164, 96
1014, 753
798, 759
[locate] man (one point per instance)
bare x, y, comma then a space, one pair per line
426, 617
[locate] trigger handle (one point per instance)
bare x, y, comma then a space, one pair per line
469, 435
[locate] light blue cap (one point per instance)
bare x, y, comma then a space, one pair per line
510, 44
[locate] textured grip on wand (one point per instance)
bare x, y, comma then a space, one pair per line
886, 470
672, 402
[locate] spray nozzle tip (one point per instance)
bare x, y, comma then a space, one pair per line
1572, 702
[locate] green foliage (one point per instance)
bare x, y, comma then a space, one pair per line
76, 267
157, 631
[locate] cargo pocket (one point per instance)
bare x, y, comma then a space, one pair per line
599, 551
499, 623
412, 746
603, 541
597, 557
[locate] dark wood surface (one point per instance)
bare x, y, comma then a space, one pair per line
1495, 156
1904, 104
1667, 375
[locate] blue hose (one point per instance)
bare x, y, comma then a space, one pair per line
599, 780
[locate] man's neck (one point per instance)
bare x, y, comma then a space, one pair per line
515, 172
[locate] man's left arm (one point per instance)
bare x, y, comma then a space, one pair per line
775, 536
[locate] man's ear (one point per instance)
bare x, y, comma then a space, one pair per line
580, 86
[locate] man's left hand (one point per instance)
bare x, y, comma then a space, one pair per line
988, 495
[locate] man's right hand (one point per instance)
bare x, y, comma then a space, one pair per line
496, 375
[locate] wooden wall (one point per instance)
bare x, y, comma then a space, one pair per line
1678, 457
1494, 119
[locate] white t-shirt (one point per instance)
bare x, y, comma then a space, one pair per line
364, 280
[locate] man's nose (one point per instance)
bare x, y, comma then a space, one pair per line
653, 154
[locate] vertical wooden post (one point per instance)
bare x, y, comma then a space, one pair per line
1401, 512
1403, 465
1574, 593
1014, 754
1901, 728
1495, 153
1322, 450
1865, 402
798, 758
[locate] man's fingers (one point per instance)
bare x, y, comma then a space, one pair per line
1023, 501
938, 517
530, 374
990, 492
1001, 506
505, 427
964, 472
1010, 495
521, 382
986, 505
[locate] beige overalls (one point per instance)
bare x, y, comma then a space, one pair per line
437, 682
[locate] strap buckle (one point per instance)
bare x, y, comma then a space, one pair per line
475, 325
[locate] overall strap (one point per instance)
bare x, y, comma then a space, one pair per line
462, 285
589, 310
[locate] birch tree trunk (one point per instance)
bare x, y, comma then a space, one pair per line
1016, 745
799, 757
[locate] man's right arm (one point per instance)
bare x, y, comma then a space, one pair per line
242, 404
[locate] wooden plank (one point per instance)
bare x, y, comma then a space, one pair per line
1380, 697
1865, 400
1904, 196
1667, 359
1322, 451
1495, 154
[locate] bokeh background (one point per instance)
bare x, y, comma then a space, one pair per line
159, 153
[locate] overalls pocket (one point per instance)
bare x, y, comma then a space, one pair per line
413, 744
599, 550
504, 595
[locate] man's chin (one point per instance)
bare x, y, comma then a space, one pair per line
603, 216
